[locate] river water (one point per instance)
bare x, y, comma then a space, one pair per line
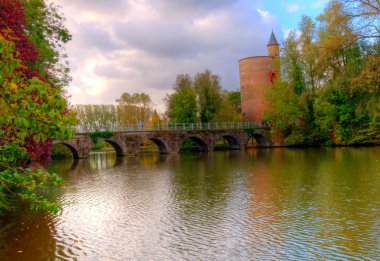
267, 204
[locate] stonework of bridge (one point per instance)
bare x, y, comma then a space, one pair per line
169, 141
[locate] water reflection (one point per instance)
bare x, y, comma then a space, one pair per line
63, 165
101, 161
329, 214
27, 237
303, 204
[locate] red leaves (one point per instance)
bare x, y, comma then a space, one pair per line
39, 152
272, 76
12, 21
12, 14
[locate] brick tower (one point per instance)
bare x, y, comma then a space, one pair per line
256, 76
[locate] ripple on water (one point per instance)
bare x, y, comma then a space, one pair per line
219, 206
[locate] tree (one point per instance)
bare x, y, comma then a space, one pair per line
182, 104
286, 112
97, 117
369, 77
309, 55
46, 31
202, 99
335, 36
35, 114
133, 108
229, 108
234, 99
155, 118
33, 117
207, 87
292, 64
365, 15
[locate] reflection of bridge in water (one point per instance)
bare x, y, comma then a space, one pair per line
169, 138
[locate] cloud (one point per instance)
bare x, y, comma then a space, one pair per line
94, 9
292, 8
142, 45
263, 13
319, 4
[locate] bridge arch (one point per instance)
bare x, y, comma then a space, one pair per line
118, 149
198, 140
162, 147
261, 140
73, 150
233, 142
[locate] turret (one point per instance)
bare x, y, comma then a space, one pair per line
273, 47
274, 51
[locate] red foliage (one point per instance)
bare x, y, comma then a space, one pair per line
39, 152
12, 21
272, 76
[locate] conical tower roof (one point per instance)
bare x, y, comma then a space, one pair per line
272, 40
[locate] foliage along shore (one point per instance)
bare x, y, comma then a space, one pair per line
33, 75
328, 92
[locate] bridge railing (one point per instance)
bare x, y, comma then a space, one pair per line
172, 126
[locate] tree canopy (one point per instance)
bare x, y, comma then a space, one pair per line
202, 100
134, 108
182, 104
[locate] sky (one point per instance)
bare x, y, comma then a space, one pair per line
142, 45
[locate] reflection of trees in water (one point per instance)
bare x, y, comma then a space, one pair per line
62, 166
329, 190
73, 171
206, 193
151, 159
27, 236
255, 153
101, 161
204, 179
263, 199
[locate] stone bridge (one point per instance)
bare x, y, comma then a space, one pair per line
169, 141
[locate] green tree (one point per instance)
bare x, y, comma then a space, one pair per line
309, 54
292, 64
286, 112
202, 99
207, 87
229, 107
46, 30
234, 99
182, 104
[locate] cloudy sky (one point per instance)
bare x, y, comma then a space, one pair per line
142, 45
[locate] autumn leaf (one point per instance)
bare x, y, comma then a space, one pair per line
13, 86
